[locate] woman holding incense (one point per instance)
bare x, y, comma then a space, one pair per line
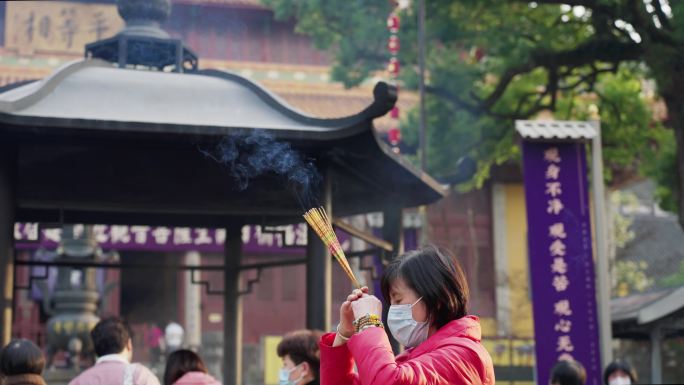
428, 296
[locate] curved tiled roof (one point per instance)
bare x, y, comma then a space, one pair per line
647, 307
554, 129
147, 126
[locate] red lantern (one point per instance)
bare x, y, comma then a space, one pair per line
393, 44
394, 114
393, 23
393, 67
394, 136
479, 54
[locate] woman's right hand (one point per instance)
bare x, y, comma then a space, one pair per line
347, 314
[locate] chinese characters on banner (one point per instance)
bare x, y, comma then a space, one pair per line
560, 257
282, 239
58, 26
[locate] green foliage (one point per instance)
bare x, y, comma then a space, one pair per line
631, 277
676, 279
661, 165
621, 224
490, 62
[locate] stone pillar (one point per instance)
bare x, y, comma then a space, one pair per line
503, 289
656, 359
7, 212
193, 300
392, 232
319, 273
392, 229
359, 222
232, 307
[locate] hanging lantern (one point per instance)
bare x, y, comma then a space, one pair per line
393, 44
394, 114
393, 67
394, 136
393, 23
479, 54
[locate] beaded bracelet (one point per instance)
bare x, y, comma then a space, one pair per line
367, 320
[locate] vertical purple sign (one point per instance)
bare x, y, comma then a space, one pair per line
560, 257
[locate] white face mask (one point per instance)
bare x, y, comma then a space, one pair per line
621, 380
404, 328
284, 376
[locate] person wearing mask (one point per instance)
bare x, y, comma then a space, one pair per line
619, 373
185, 367
114, 349
428, 296
21, 363
568, 373
173, 337
301, 358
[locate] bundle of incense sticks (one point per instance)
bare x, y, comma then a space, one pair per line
319, 221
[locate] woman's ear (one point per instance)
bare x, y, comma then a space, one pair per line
306, 369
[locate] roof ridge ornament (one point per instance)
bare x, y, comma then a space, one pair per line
143, 44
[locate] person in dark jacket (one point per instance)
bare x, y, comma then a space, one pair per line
568, 373
21, 363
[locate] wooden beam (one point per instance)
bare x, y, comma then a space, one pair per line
363, 235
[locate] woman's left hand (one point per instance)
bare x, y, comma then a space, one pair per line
368, 304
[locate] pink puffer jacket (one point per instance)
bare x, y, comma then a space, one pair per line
452, 355
196, 378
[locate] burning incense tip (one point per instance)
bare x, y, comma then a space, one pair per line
318, 219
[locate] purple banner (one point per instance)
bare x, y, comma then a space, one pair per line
560, 258
290, 239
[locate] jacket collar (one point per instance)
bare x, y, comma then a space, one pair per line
465, 327
112, 358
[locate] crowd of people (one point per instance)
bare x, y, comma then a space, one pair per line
428, 296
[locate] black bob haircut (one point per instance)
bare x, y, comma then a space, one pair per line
110, 336
619, 365
21, 356
434, 274
568, 373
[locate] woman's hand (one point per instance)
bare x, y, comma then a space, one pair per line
347, 314
368, 304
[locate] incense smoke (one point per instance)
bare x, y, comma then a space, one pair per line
250, 154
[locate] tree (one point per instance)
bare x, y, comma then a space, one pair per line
493, 61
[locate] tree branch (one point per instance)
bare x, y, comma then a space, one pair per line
642, 21
574, 3
453, 98
598, 50
504, 82
662, 17
589, 79
586, 54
